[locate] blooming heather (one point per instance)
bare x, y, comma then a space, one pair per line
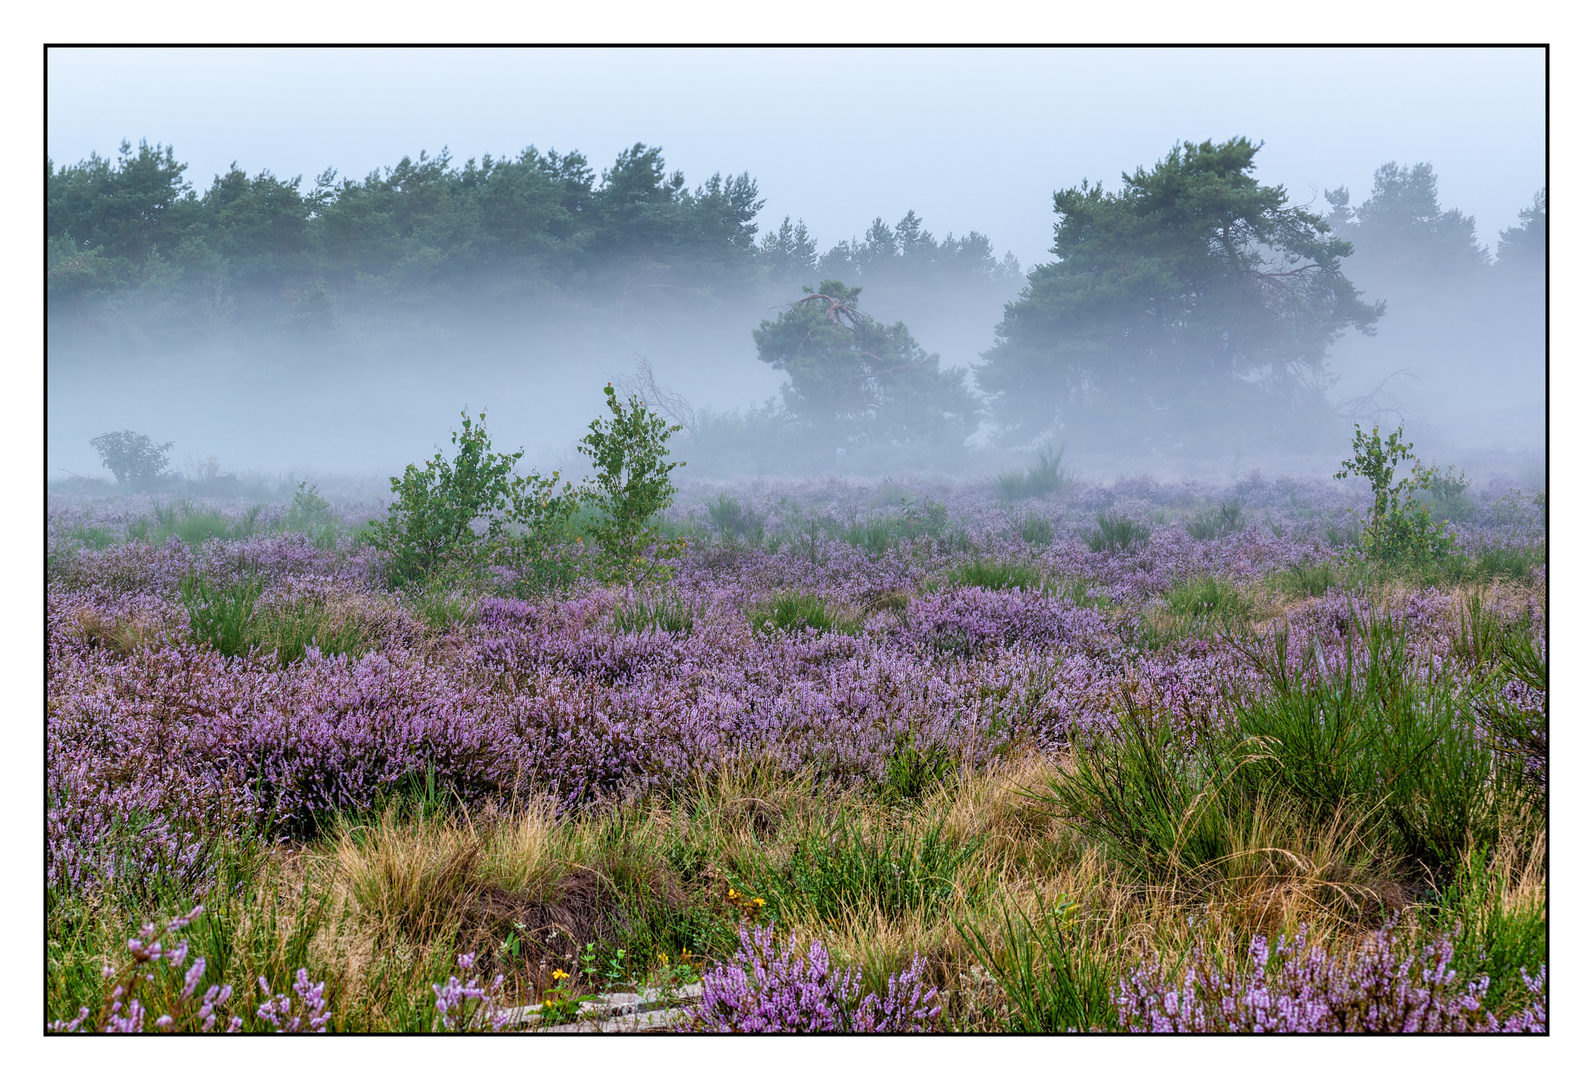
765, 989
1385, 986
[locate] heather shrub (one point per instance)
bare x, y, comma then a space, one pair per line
142, 990
1116, 533
765, 989
1393, 984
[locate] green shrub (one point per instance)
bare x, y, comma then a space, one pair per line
134, 459
1399, 527
630, 452
433, 520
1116, 533
1493, 937
1376, 740
1445, 494
311, 514
1160, 804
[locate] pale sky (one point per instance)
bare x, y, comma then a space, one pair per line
971, 139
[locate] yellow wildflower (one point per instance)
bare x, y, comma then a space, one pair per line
559, 973
758, 900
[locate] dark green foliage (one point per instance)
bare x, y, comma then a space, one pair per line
1446, 495
1116, 533
1041, 478
914, 769
1371, 737
1194, 301
433, 520
863, 390
994, 574
630, 452
665, 611
1053, 980
311, 514
842, 873
1399, 527
223, 618
795, 611
134, 459
1220, 521
1161, 803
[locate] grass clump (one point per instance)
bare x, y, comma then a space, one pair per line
666, 611
995, 574
1116, 533
231, 620
1208, 597
1370, 737
832, 875
789, 612
1220, 521
222, 617
1043, 477
733, 521
1036, 529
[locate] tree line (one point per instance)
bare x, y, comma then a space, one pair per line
1191, 301
260, 249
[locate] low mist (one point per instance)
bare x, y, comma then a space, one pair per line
332, 325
